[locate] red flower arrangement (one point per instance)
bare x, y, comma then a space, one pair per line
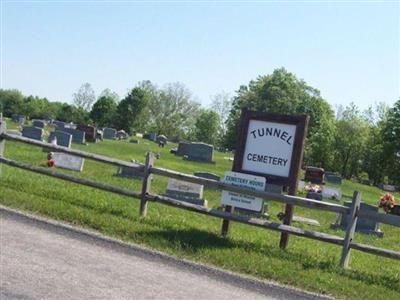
387, 202
312, 188
51, 162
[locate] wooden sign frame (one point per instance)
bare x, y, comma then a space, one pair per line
301, 123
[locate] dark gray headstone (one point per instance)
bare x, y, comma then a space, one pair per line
109, 133
77, 135
363, 225
314, 175
162, 139
185, 191
63, 138
129, 172
38, 123
314, 196
19, 119
183, 148
33, 133
200, 152
207, 175
91, 134
122, 135
58, 124
336, 179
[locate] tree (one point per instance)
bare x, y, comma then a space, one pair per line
110, 94
11, 102
207, 126
391, 143
171, 110
84, 97
350, 140
130, 108
221, 104
282, 92
103, 112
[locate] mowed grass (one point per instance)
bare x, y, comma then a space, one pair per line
307, 264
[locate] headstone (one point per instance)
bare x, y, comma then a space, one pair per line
67, 161
314, 175
185, 191
129, 172
389, 188
207, 175
63, 138
331, 193
183, 148
301, 185
109, 133
77, 135
38, 123
314, 196
274, 188
152, 136
19, 119
200, 152
162, 139
58, 124
336, 179
90, 133
364, 225
122, 135
33, 133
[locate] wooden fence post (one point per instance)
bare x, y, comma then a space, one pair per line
146, 183
351, 228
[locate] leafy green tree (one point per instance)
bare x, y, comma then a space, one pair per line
350, 141
391, 143
207, 127
130, 108
11, 102
282, 92
84, 97
103, 112
171, 110
110, 94
221, 104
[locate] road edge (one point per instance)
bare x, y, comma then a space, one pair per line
264, 287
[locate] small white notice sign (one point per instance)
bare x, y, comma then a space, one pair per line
251, 182
66, 161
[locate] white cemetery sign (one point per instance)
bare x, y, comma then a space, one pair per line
251, 182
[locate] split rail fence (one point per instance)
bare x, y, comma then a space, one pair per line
145, 196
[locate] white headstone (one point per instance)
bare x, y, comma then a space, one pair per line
330, 192
66, 161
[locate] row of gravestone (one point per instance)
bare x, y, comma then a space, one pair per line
318, 175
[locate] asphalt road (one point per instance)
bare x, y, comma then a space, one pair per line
40, 261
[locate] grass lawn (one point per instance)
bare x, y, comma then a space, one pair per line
307, 264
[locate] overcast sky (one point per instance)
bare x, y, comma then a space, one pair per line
349, 51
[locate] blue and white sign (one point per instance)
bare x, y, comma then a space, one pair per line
255, 183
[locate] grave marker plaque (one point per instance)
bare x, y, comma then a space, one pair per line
185, 191
67, 161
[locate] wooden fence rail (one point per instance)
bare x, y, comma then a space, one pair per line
146, 196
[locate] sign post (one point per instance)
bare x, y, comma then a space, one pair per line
272, 146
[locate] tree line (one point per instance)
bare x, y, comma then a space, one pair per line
354, 143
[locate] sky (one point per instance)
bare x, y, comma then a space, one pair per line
349, 50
